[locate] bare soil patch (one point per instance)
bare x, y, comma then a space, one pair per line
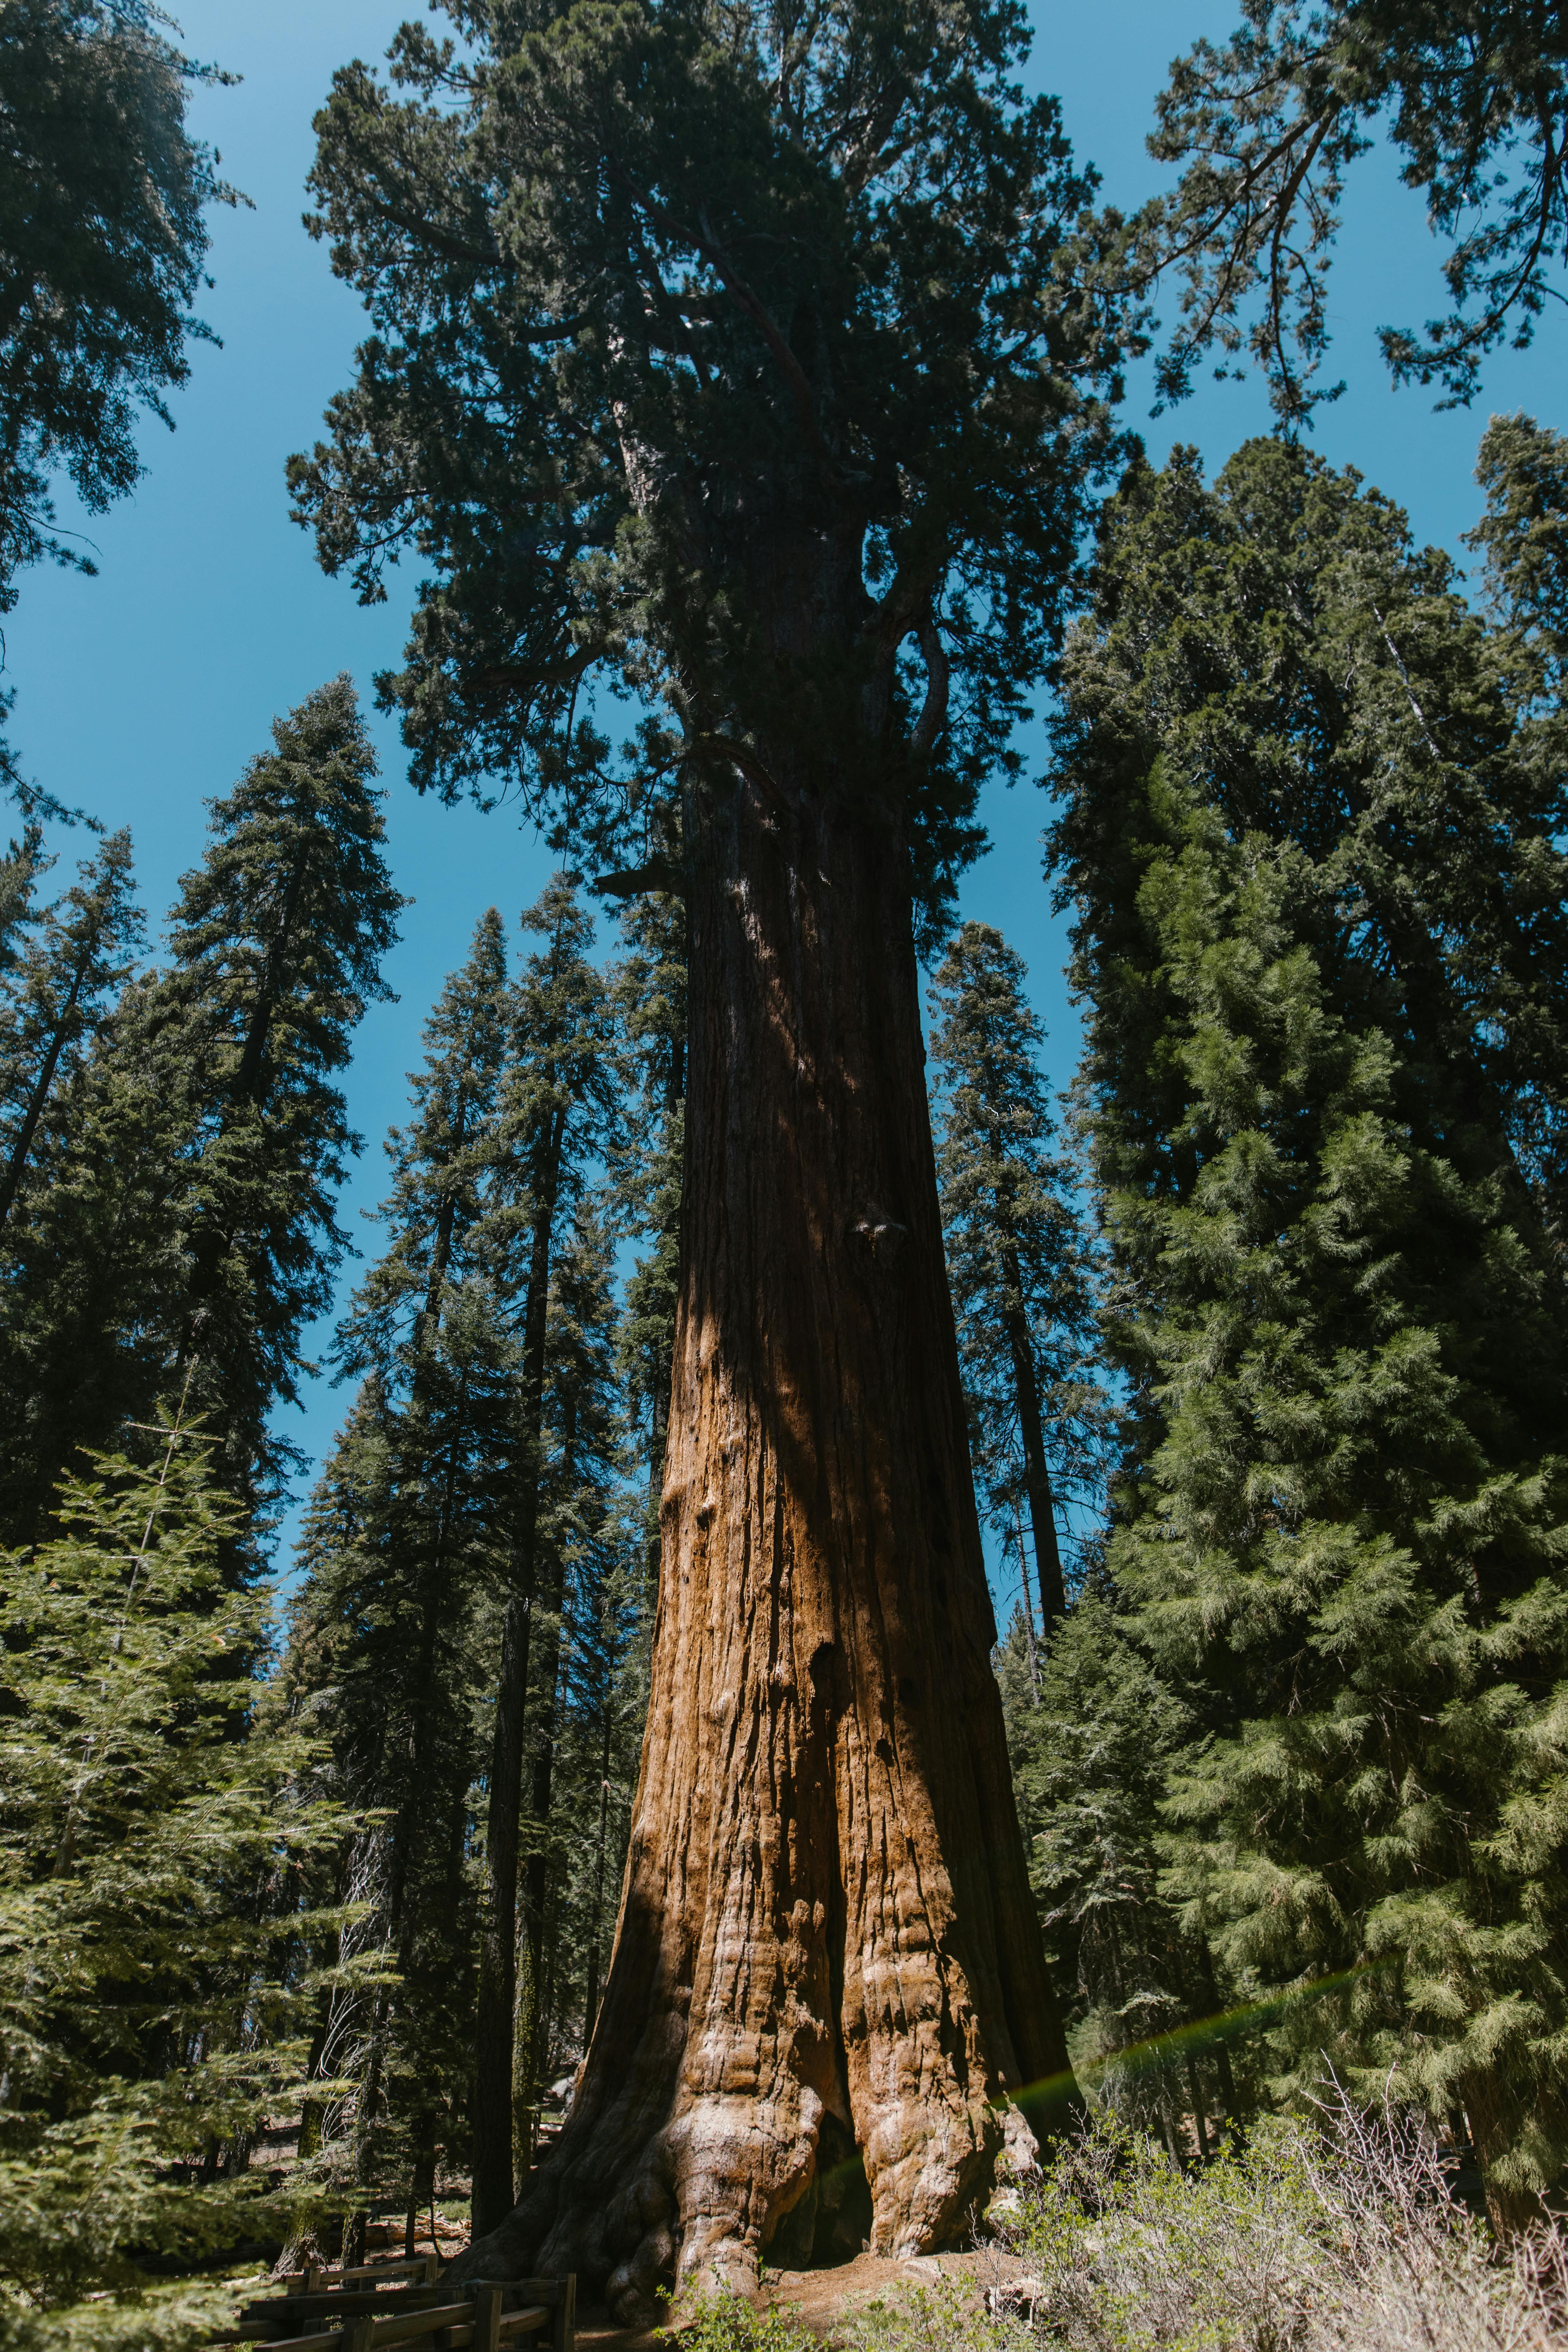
824, 2299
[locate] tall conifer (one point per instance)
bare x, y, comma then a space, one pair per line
1016, 1257
89, 1150
579, 1543
1316, 891
555, 1114
154, 1814
277, 941
71, 972
397, 1559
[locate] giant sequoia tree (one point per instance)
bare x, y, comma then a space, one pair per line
740, 355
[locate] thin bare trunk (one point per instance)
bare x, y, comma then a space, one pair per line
493, 2177
1036, 1471
16, 1167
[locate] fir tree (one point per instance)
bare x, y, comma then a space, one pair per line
1017, 1258
1093, 1729
72, 972
277, 940
1316, 896
20, 870
152, 1823
186, 1225
580, 1548
554, 1122
95, 1263
395, 1560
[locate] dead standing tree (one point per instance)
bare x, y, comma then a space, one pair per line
745, 354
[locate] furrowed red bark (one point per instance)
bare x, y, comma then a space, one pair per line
827, 1936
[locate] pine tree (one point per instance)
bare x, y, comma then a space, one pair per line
396, 1562
186, 1227
1016, 1257
554, 1121
86, 950
581, 1546
1316, 899
1093, 1729
153, 1819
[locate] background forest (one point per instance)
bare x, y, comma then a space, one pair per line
1261, 1319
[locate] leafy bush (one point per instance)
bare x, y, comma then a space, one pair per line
1341, 2234
720, 2320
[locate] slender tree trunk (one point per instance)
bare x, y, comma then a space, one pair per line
1221, 2053
1029, 1609
1037, 1472
11, 1181
826, 1914
406, 1828
536, 1873
1194, 2093
493, 2188
591, 1993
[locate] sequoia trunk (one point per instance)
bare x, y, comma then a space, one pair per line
826, 1940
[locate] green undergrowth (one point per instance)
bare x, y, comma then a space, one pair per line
1339, 2233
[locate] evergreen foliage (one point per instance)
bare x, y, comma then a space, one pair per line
102, 237
1017, 1261
470, 1578
1474, 96
557, 1121
276, 941
388, 1643
178, 1226
84, 951
585, 410
1313, 853
1093, 1731
153, 1828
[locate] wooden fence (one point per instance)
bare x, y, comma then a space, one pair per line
387, 2304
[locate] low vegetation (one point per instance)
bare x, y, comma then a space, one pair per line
1336, 2233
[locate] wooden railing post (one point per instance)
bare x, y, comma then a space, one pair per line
359, 2335
564, 2321
486, 2316
432, 2269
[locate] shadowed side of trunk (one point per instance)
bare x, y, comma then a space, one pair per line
825, 1911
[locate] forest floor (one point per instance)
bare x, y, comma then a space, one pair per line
824, 2299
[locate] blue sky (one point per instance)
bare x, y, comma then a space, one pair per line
143, 692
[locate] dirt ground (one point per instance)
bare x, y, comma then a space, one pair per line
824, 2299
